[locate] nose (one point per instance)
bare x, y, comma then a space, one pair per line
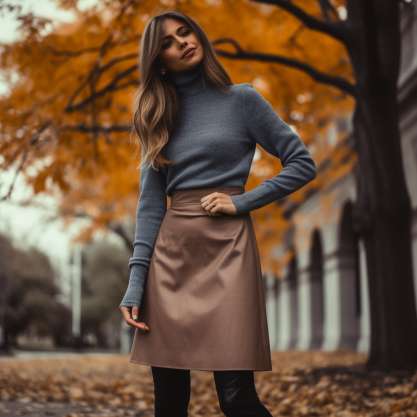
182, 47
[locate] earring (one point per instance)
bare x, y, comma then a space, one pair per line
163, 71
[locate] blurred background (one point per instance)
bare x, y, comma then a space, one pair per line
339, 256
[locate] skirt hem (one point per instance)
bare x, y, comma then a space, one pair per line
197, 368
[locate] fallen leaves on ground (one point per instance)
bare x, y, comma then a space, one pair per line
301, 384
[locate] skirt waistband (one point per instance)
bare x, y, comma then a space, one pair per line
192, 196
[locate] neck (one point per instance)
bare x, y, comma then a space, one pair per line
189, 82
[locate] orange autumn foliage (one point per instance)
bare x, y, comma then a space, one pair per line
66, 119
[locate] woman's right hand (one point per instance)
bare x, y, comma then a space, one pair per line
130, 315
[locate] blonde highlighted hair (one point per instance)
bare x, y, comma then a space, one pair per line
156, 103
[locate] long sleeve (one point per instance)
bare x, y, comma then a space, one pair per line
266, 128
151, 208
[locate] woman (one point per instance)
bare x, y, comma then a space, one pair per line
195, 294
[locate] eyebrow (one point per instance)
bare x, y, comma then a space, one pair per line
179, 27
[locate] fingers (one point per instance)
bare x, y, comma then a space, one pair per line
135, 312
218, 204
135, 315
125, 312
208, 197
131, 321
212, 203
139, 324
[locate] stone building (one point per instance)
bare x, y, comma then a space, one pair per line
321, 301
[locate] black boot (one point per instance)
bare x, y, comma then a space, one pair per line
237, 394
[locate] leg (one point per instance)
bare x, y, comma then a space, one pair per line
171, 391
237, 394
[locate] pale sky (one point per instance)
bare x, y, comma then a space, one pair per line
46, 8
30, 226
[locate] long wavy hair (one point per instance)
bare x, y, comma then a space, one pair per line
156, 104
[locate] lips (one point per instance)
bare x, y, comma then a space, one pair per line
187, 52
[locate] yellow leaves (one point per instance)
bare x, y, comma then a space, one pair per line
39, 181
314, 383
68, 79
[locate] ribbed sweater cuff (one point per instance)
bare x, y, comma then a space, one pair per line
134, 291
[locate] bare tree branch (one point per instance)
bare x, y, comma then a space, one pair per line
98, 69
115, 227
113, 85
94, 49
70, 53
23, 157
119, 230
319, 76
82, 128
337, 30
328, 10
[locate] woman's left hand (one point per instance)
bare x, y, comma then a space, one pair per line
217, 203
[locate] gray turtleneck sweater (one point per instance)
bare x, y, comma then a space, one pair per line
213, 144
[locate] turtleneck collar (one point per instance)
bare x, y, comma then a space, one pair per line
189, 82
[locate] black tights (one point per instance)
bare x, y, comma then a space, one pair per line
236, 393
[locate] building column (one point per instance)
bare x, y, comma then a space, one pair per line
271, 309
349, 300
305, 302
284, 314
332, 307
365, 324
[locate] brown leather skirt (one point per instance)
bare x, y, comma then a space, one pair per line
203, 299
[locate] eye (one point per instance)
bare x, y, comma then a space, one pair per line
166, 45
183, 32
186, 31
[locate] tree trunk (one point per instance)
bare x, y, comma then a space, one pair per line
383, 208
383, 211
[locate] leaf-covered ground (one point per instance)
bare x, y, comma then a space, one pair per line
301, 384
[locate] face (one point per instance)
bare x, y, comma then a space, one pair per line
177, 39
